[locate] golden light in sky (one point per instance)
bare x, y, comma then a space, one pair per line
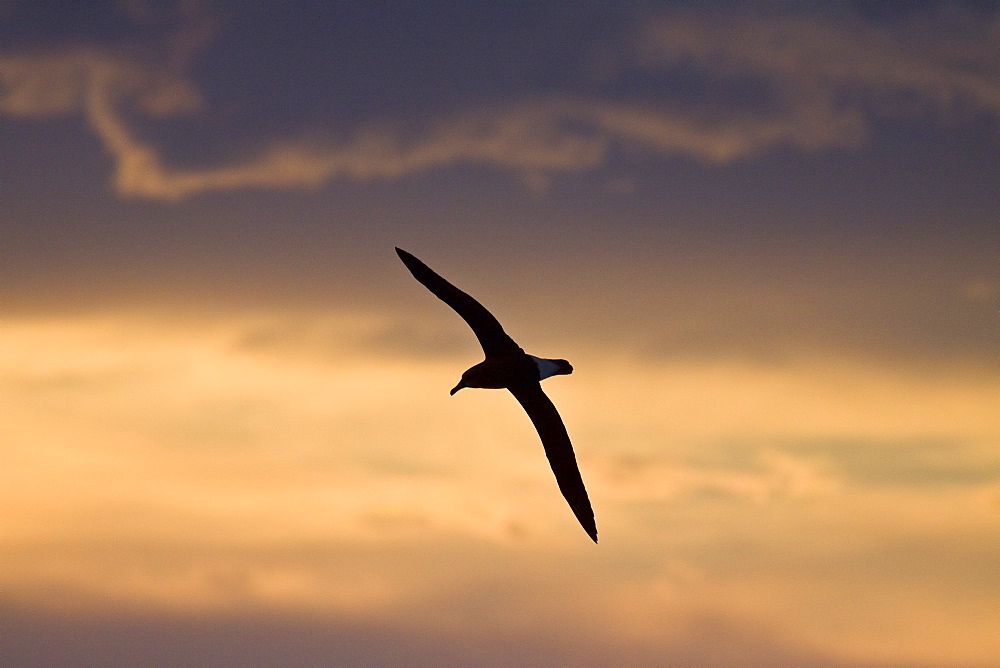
214, 466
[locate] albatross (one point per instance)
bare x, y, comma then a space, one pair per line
508, 367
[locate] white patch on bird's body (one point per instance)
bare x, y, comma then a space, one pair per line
546, 367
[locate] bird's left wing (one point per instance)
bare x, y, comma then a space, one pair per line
558, 449
487, 329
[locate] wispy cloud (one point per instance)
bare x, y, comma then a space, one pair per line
102, 86
833, 68
808, 81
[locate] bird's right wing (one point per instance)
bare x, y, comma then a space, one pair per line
559, 451
487, 329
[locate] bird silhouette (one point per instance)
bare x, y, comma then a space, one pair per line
507, 366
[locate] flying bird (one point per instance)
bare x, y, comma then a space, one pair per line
507, 366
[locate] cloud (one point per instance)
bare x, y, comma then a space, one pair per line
526, 137
119, 637
824, 70
774, 475
808, 81
285, 467
61, 83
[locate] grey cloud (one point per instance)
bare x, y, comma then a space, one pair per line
302, 640
819, 76
832, 65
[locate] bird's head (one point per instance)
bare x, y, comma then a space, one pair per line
562, 367
458, 387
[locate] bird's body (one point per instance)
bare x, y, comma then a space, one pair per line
508, 367
511, 368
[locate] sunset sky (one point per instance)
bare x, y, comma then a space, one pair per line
766, 235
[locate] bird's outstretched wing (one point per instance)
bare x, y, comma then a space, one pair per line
489, 332
558, 449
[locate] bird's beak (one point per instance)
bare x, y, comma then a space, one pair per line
458, 387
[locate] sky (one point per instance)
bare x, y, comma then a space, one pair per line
766, 236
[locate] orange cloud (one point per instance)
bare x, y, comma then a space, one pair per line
180, 465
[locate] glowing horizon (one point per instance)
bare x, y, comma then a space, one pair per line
260, 459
